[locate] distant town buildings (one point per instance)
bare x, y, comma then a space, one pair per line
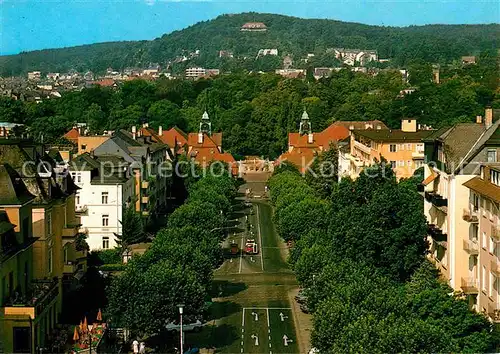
197, 72
355, 56
34, 75
253, 27
291, 73
468, 60
225, 54
287, 62
264, 52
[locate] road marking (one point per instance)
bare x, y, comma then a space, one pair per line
243, 318
266, 308
260, 238
268, 325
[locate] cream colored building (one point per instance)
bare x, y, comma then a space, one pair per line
454, 157
483, 216
402, 148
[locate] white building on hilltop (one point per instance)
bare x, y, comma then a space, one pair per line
105, 192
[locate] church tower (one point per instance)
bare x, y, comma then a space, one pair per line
205, 127
305, 124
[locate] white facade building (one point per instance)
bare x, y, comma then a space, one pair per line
101, 200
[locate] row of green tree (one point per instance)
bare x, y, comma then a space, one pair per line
290, 35
178, 267
360, 254
256, 112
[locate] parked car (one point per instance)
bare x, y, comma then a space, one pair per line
301, 297
304, 308
186, 327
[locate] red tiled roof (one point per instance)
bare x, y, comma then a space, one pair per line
146, 131
360, 125
299, 157
72, 135
105, 82
208, 142
174, 137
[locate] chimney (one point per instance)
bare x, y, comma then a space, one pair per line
479, 119
310, 138
160, 130
145, 125
134, 132
488, 117
200, 138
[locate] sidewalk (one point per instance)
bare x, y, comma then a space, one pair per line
303, 323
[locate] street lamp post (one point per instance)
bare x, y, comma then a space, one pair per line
181, 310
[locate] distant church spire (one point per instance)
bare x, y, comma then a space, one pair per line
305, 124
205, 124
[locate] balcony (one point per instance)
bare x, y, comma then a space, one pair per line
70, 231
70, 268
494, 311
471, 247
470, 285
470, 215
417, 155
495, 233
495, 268
145, 184
82, 210
39, 296
436, 233
145, 200
362, 147
436, 200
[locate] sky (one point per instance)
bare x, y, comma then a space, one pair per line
39, 24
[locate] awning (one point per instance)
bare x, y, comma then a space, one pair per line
430, 178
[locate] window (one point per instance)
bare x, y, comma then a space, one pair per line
401, 163
84, 147
105, 242
104, 197
492, 156
105, 220
392, 148
393, 164
49, 222
495, 177
409, 147
408, 163
475, 202
77, 198
483, 282
492, 245
65, 255
484, 243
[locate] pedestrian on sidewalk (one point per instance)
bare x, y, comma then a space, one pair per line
142, 348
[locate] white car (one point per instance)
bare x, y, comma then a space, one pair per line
187, 327
314, 351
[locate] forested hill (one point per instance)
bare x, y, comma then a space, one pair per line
290, 35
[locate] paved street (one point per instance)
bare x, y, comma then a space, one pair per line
252, 313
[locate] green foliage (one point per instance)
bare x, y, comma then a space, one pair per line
111, 256
256, 111
361, 261
178, 267
290, 35
132, 228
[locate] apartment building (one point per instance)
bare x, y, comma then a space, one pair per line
146, 158
454, 156
402, 148
58, 250
106, 189
483, 245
